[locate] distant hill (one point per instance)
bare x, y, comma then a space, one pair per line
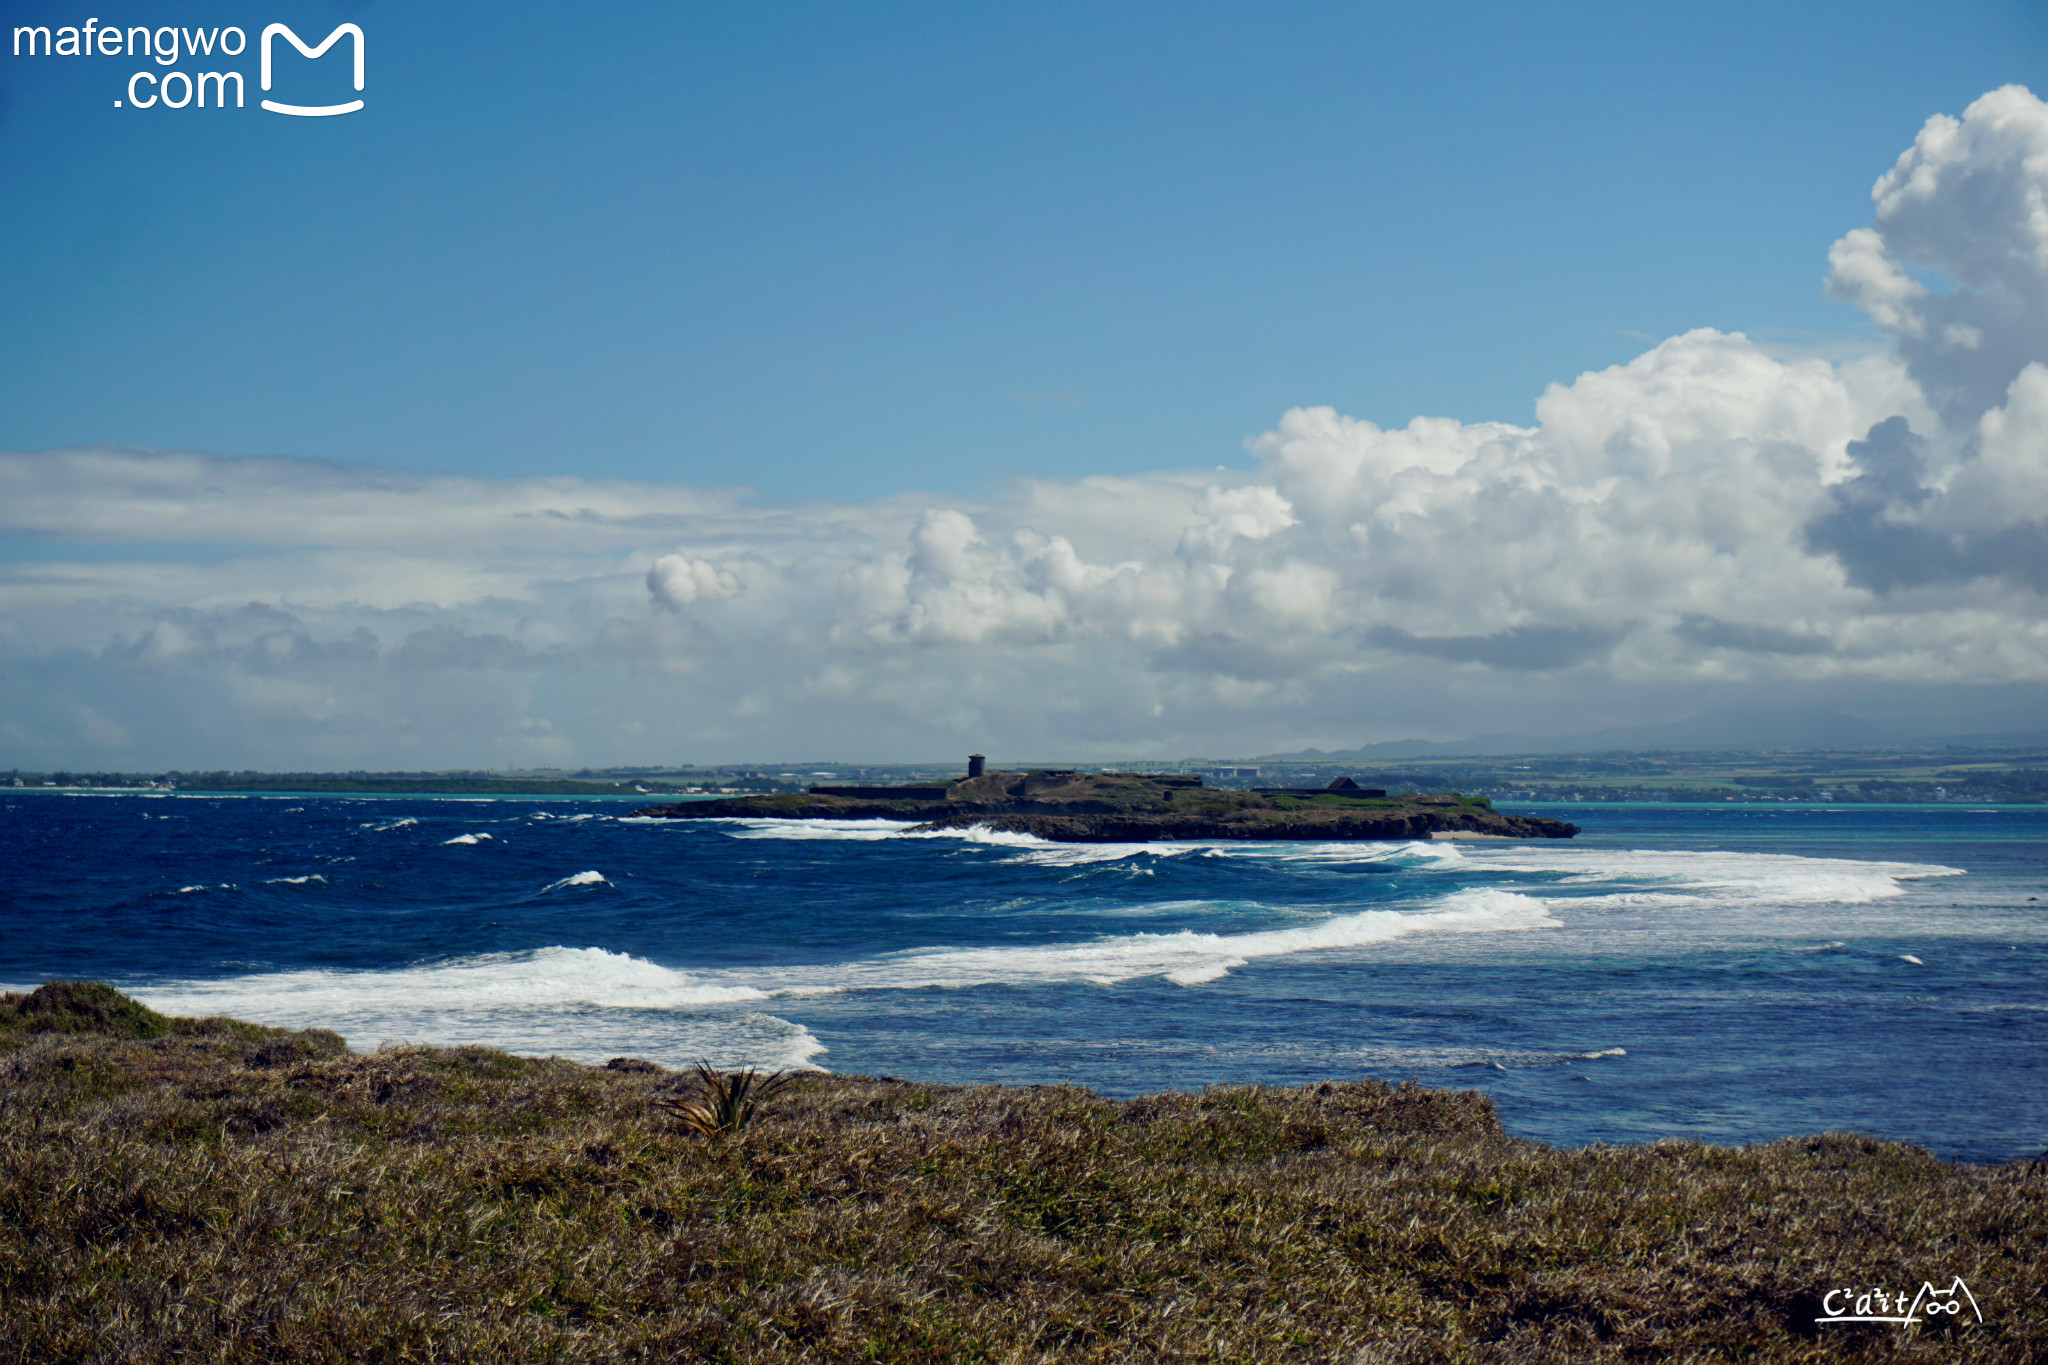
423, 784
1710, 730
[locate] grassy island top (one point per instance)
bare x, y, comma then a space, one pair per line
207, 1190
1134, 807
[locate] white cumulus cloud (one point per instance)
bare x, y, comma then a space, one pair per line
1967, 202
1707, 523
675, 581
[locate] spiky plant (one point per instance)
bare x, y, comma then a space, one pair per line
725, 1101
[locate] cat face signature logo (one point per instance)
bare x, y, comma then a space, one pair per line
1877, 1304
312, 54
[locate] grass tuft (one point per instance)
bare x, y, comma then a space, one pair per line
725, 1102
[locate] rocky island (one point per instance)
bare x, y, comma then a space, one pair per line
1076, 807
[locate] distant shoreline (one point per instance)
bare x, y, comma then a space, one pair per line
2016, 776
524, 793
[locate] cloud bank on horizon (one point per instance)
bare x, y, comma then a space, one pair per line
1710, 522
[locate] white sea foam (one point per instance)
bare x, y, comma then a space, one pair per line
1046, 852
1052, 854
1049, 853
1672, 879
545, 978
1186, 958
589, 1004
1413, 853
293, 881
1081, 855
465, 839
1321, 1054
582, 1003
399, 823
1036, 850
860, 830
983, 834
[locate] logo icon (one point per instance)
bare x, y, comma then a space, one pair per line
312, 53
1876, 1305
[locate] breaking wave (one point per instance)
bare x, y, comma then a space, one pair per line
585, 1004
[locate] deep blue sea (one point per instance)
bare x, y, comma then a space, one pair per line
1726, 973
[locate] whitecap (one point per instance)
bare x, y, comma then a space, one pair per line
1002, 838
1683, 879
1335, 1057
585, 1004
1081, 855
1413, 853
1186, 957
465, 839
580, 879
294, 881
864, 831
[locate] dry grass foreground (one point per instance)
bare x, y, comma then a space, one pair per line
175, 1190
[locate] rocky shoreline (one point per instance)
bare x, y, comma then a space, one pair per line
1116, 829
1072, 807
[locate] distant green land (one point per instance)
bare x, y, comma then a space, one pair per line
1903, 775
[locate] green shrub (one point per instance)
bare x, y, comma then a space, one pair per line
79, 1007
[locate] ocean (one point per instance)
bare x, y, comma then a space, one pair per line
1728, 973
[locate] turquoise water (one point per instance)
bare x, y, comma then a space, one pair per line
1726, 973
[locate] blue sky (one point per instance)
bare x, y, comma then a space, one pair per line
844, 250
1110, 380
